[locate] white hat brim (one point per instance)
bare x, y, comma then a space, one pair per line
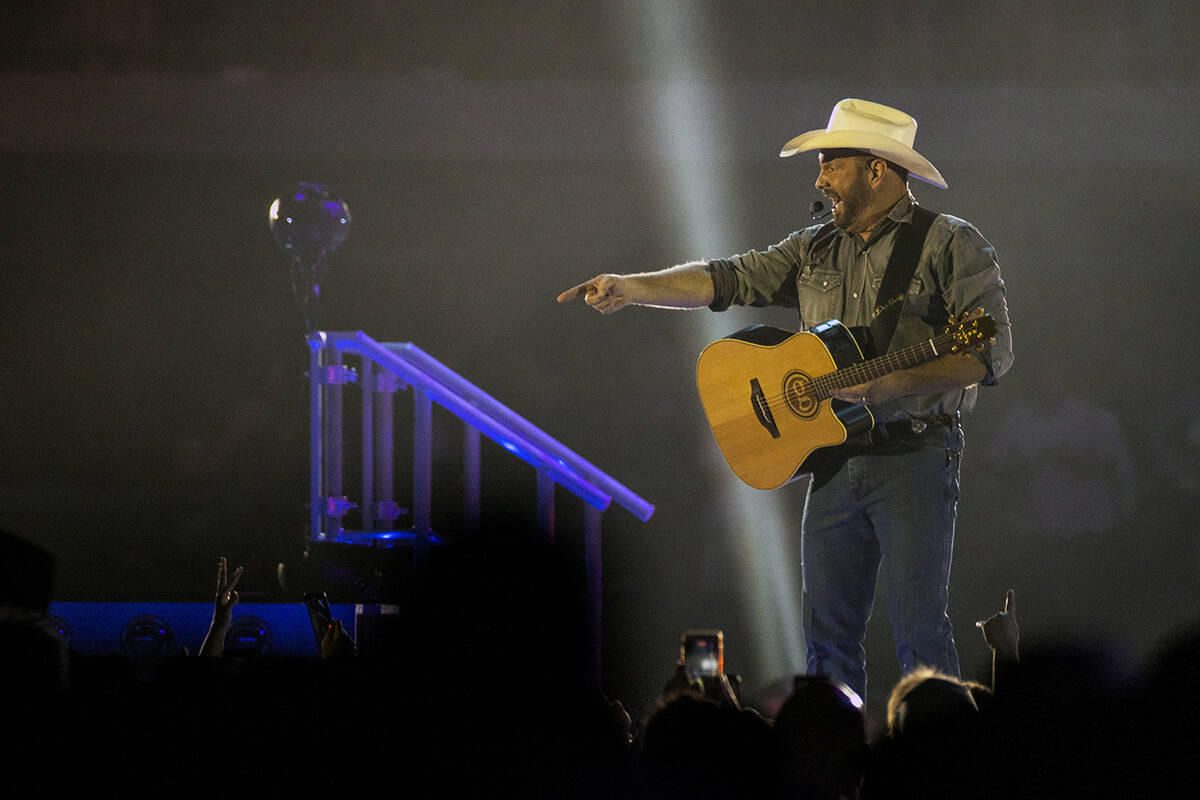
876, 144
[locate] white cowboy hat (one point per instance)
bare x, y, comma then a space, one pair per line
877, 129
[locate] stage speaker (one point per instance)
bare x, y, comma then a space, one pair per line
146, 630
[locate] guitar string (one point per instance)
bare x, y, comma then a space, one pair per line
848, 376
857, 373
866, 370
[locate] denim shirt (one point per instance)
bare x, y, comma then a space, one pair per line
839, 279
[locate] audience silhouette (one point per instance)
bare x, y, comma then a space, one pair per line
480, 690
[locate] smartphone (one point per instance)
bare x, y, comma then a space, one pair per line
702, 652
319, 614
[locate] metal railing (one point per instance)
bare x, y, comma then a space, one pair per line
386, 368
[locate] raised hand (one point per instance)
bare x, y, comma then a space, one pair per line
227, 596
1001, 631
336, 643
226, 599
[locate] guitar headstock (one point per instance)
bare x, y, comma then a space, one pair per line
974, 329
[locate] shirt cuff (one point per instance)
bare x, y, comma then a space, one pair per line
985, 357
723, 284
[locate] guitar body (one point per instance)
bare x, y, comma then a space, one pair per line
764, 426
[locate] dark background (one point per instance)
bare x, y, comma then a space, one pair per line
494, 154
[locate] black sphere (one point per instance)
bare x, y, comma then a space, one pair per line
309, 221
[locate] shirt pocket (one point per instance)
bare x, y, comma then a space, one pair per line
819, 292
925, 300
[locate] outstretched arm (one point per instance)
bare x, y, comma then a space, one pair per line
1002, 635
226, 599
683, 286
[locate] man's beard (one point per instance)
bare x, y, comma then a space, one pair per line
848, 209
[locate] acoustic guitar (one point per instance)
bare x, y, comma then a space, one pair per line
767, 392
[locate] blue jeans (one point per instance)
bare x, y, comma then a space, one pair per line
897, 511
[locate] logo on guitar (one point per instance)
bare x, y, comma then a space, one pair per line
795, 394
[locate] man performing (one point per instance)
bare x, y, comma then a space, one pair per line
888, 496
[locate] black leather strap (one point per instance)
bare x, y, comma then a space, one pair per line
901, 267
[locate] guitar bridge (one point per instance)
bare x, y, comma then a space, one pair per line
758, 400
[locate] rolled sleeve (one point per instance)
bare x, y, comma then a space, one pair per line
972, 280
758, 278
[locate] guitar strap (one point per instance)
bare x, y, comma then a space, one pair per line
901, 267
875, 340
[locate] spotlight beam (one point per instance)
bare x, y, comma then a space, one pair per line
685, 113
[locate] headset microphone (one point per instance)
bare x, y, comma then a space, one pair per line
816, 208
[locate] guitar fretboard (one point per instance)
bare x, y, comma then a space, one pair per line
822, 387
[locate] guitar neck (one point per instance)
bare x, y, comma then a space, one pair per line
865, 371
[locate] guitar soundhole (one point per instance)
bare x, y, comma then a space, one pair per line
799, 403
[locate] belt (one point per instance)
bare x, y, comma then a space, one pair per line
904, 428
916, 424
